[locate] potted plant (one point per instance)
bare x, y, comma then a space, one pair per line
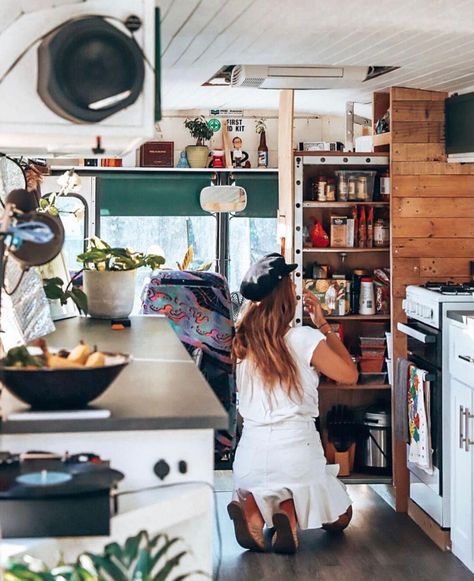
140, 558
198, 155
109, 277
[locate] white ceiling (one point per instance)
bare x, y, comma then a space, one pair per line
431, 40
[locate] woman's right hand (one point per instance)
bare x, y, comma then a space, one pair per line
313, 307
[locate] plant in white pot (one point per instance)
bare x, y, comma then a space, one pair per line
109, 277
198, 155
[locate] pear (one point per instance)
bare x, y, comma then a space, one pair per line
96, 359
80, 353
56, 362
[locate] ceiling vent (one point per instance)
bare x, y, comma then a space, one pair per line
303, 77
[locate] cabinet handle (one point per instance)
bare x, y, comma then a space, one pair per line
467, 358
461, 435
467, 442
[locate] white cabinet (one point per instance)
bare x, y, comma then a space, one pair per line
461, 385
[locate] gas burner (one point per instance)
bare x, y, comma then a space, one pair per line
450, 287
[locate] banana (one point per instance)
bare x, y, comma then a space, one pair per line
80, 353
96, 359
56, 362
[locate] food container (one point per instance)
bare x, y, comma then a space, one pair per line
388, 362
334, 294
371, 364
388, 335
360, 184
369, 342
372, 378
373, 351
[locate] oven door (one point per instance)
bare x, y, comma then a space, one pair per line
423, 342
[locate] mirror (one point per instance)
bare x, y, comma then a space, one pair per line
223, 199
12, 177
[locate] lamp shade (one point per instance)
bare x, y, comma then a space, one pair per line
88, 70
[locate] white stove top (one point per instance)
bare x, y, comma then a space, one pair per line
424, 304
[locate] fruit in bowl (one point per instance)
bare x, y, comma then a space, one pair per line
62, 380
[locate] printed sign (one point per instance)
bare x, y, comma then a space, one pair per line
226, 113
236, 125
214, 124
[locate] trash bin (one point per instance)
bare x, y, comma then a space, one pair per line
376, 447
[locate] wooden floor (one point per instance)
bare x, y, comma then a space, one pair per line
379, 545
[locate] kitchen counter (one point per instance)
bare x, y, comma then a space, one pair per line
160, 389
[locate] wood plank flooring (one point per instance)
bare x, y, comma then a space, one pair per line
379, 545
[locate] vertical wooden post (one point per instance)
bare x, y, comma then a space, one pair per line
286, 192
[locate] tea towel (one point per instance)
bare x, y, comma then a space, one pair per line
419, 428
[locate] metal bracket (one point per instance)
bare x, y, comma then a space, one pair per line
351, 119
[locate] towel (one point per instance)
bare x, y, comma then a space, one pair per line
420, 452
401, 400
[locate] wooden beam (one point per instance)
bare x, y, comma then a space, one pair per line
439, 536
286, 172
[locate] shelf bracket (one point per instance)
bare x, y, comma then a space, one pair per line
351, 120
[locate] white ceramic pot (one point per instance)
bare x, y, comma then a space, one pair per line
110, 294
198, 155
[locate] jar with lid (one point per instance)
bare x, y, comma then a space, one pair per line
352, 188
314, 189
385, 187
361, 189
322, 189
342, 187
381, 233
331, 190
366, 299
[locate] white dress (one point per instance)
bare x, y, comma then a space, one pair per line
280, 455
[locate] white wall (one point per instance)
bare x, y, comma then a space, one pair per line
309, 128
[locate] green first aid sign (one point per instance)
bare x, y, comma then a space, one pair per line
214, 124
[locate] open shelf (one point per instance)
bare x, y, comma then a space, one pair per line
328, 249
382, 139
352, 318
366, 478
347, 204
341, 386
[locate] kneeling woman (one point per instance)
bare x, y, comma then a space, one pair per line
280, 474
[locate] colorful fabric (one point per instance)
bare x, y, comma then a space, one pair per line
198, 306
420, 451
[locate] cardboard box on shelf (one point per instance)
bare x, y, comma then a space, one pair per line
338, 235
334, 295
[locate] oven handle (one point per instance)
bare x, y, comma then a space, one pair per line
418, 335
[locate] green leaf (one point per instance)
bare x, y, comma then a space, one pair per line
131, 547
171, 564
204, 266
43, 203
112, 569
143, 566
80, 299
53, 211
169, 543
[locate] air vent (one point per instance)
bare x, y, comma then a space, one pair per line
375, 72
252, 77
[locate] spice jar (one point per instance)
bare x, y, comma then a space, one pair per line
322, 189
352, 188
331, 190
362, 194
381, 233
342, 187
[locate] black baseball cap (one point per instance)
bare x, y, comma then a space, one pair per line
263, 276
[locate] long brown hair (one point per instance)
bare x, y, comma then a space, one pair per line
260, 338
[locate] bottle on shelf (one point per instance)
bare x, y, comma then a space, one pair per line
385, 186
357, 275
342, 187
263, 151
362, 238
381, 233
366, 300
370, 227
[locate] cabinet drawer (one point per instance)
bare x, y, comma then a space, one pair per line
461, 354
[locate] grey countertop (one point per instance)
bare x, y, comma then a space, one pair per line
466, 317
160, 389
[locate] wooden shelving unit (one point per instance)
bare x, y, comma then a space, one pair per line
308, 167
380, 139
342, 249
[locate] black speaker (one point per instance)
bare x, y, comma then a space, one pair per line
88, 70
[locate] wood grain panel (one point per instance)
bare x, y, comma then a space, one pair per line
407, 94
426, 248
417, 132
433, 228
418, 152
431, 167
406, 268
426, 111
446, 186
433, 207
444, 267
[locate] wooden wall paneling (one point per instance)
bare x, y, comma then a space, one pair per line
418, 152
445, 186
431, 168
440, 247
433, 207
444, 267
407, 94
433, 228
417, 132
427, 111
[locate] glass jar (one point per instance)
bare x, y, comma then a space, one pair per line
342, 187
352, 189
322, 189
331, 190
381, 233
361, 186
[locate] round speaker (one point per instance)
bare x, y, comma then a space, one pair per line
88, 70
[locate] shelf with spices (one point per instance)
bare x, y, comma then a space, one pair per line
333, 260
